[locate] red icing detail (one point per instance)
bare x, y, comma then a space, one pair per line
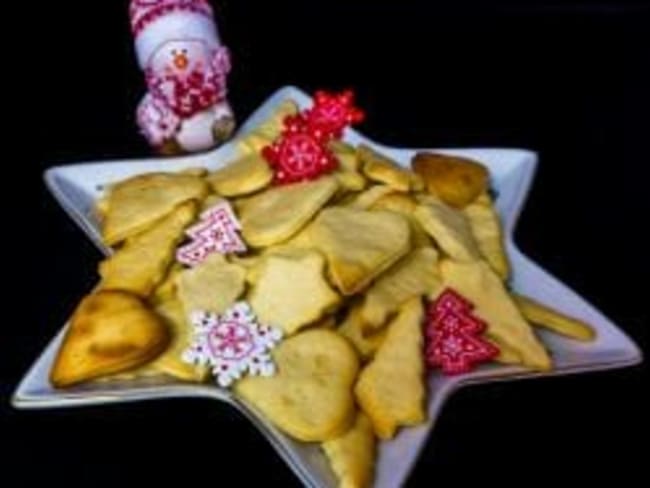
192, 93
156, 120
216, 232
301, 152
299, 157
231, 340
454, 340
331, 114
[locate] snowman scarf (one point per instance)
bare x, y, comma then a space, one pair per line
193, 90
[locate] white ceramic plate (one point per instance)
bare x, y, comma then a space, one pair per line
77, 187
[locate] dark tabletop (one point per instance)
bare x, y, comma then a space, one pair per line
568, 81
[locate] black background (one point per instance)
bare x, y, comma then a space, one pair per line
568, 79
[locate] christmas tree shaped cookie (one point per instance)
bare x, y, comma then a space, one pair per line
390, 390
505, 324
352, 455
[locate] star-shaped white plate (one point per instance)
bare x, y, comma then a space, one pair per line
77, 187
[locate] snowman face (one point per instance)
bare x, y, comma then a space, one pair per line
180, 58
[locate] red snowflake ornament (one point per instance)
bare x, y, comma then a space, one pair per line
332, 113
454, 335
298, 157
301, 152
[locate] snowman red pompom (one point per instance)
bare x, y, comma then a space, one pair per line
186, 67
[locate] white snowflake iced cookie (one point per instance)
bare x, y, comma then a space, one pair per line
234, 343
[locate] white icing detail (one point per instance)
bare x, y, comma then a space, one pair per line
233, 344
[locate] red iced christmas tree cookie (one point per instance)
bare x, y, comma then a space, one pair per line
454, 335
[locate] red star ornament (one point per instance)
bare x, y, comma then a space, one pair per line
301, 152
454, 335
332, 113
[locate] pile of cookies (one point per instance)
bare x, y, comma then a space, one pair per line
343, 266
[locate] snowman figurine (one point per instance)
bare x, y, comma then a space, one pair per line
185, 64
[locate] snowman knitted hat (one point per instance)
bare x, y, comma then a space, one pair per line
156, 21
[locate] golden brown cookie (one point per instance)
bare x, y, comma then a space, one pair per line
415, 275
133, 205
245, 175
353, 454
457, 181
550, 319
212, 286
359, 245
143, 261
484, 289
276, 214
310, 397
110, 332
486, 227
290, 290
390, 389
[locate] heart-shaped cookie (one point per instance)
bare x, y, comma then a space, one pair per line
110, 332
310, 397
